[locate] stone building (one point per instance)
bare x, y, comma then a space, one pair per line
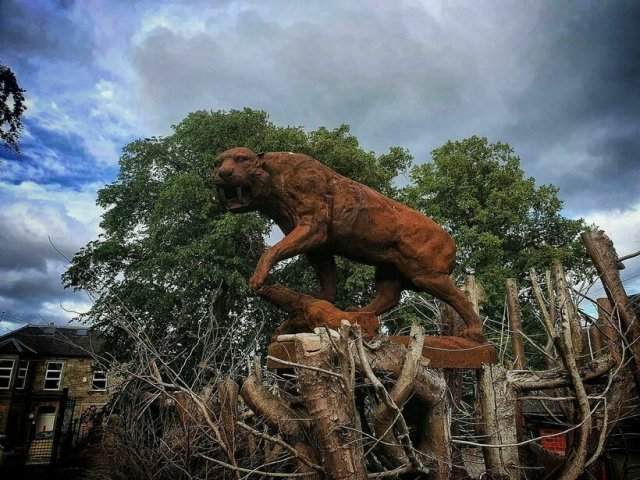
50, 385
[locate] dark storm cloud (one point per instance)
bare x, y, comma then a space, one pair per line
32, 296
33, 286
559, 81
369, 67
42, 30
39, 227
32, 32
22, 248
578, 118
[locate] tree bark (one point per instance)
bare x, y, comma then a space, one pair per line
436, 441
331, 412
498, 405
388, 357
515, 320
384, 417
574, 466
453, 325
601, 250
548, 316
609, 331
596, 340
499, 414
558, 377
283, 418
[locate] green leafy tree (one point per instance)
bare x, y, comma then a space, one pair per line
502, 222
169, 255
12, 106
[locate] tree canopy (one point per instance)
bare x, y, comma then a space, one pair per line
502, 222
12, 106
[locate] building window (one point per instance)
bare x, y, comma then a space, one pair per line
45, 422
23, 370
53, 375
99, 380
6, 371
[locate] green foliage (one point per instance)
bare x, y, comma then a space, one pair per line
12, 107
169, 254
502, 222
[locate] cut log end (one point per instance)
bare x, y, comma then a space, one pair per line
441, 351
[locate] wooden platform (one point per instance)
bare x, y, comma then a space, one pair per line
443, 352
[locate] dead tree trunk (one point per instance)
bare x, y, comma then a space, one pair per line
499, 416
515, 320
498, 405
601, 250
576, 462
331, 410
284, 419
519, 362
609, 330
548, 315
453, 325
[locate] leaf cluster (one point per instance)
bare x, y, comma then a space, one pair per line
503, 223
12, 106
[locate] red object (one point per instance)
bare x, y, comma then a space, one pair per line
442, 352
324, 214
556, 444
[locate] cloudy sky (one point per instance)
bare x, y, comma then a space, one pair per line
559, 81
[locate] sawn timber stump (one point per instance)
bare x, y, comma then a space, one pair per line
441, 351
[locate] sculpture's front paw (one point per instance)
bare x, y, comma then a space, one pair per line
256, 281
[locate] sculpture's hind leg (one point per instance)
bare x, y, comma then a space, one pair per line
325, 267
389, 285
441, 286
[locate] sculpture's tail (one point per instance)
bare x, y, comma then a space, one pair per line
284, 297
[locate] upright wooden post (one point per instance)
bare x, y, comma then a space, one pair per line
498, 405
611, 336
517, 345
548, 315
600, 249
515, 320
331, 411
452, 324
437, 442
596, 339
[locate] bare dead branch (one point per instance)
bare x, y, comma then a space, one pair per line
523, 380
253, 470
282, 443
627, 257
386, 398
275, 412
568, 317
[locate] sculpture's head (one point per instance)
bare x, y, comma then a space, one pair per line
241, 179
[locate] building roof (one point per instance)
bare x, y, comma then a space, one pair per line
51, 341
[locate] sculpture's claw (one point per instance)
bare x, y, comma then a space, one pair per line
256, 281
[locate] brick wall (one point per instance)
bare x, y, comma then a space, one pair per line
77, 374
556, 444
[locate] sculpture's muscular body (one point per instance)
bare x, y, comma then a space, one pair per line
323, 214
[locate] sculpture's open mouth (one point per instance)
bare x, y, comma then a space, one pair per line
235, 197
